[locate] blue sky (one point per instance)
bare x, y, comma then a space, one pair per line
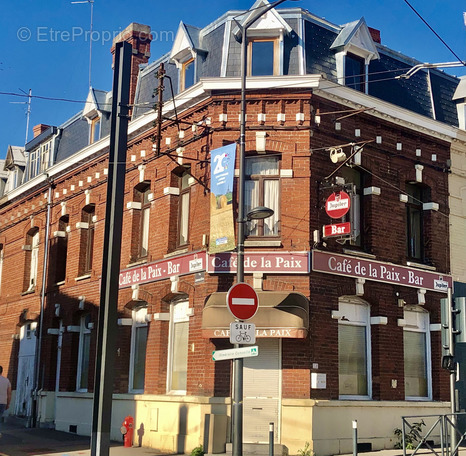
44, 46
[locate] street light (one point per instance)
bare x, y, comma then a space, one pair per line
237, 397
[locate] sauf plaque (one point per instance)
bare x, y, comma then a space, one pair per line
242, 333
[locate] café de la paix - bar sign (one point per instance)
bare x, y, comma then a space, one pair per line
350, 266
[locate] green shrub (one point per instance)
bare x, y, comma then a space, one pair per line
198, 451
412, 437
306, 451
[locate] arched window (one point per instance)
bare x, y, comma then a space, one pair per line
141, 221
178, 347
262, 188
83, 355
354, 348
87, 239
139, 332
417, 354
60, 248
32, 258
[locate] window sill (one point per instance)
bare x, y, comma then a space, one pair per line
27, 292
58, 284
262, 243
176, 252
421, 266
359, 253
136, 263
83, 277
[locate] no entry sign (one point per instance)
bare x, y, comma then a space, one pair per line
337, 204
242, 301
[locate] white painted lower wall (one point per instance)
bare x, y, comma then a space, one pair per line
180, 423
327, 425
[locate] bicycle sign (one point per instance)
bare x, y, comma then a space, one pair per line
242, 333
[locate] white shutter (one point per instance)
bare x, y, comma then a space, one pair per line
262, 392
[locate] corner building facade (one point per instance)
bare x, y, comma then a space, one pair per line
348, 325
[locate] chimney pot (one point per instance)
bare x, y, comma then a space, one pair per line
40, 128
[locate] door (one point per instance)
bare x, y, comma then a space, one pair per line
25, 379
262, 392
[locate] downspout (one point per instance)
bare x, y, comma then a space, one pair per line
36, 388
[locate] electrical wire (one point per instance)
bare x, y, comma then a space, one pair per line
434, 32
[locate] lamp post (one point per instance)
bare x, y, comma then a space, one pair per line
237, 397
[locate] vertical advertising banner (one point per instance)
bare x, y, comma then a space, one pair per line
222, 229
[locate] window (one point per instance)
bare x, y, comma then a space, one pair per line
139, 333
262, 188
87, 239
263, 57
83, 355
60, 248
354, 349
183, 209
94, 131
141, 221
355, 72
178, 348
417, 360
187, 74
39, 159
414, 219
32, 258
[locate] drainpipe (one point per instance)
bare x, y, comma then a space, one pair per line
32, 420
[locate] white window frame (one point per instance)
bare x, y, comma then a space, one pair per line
84, 332
184, 210
356, 312
139, 321
179, 313
34, 261
413, 324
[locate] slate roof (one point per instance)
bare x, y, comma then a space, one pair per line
74, 137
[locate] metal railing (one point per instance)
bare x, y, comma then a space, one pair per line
442, 427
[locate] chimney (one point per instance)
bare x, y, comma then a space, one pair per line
375, 34
38, 129
139, 37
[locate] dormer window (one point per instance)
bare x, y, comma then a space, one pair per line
354, 49
39, 159
187, 74
94, 126
263, 57
355, 72
95, 111
265, 40
184, 54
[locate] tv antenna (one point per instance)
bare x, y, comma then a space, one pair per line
28, 110
91, 2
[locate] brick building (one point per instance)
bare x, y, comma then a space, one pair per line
348, 326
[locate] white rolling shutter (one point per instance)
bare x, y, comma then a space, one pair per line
262, 392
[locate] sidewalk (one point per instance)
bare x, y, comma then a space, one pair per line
20, 441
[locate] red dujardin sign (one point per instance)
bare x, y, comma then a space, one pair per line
337, 204
343, 265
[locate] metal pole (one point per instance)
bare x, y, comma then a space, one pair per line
105, 355
160, 89
355, 438
451, 344
271, 439
237, 397
32, 420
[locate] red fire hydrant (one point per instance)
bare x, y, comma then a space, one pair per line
127, 429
